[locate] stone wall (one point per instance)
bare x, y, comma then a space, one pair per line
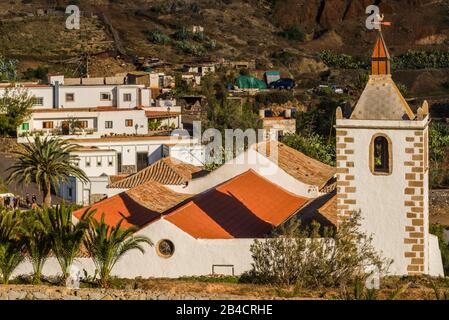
346, 200
29, 292
415, 204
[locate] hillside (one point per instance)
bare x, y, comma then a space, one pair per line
113, 34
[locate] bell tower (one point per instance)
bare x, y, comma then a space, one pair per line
383, 171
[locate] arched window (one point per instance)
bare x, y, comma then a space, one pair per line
380, 155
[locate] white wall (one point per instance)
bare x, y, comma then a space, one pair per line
435, 262
192, 257
96, 121
381, 198
101, 162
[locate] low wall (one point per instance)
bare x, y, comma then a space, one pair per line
29, 292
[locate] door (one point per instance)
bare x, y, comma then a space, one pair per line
142, 160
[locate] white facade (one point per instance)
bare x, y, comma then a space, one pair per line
95, 123
383, 199
192, 257
104, 157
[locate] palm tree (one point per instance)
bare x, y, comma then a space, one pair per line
46, 162
66, 237
11, 246
107, 245
37, 243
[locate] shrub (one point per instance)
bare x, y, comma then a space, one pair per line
296, 257
438, 154
156, 36
293, 33
342, 61
312, 145
8, 69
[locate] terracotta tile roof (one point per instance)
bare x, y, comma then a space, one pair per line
161, 114
322, 210
166, 171
247, 206
138, 206
116, 178
298, 165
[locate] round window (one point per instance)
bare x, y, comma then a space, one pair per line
165, 248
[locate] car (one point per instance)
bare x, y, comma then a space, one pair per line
284, 83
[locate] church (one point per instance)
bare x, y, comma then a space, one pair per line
383, 171
206, 224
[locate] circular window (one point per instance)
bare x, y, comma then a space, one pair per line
165, 248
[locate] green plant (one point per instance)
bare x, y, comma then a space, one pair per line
342, 61
11, 245
15, 108
107, 245
438, 155
360, 292
293, 34
440, 294
37, 243
8, 69
313, 146
156, 36
47, 162
299, 256
65, 235
154, 124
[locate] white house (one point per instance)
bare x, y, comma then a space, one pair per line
92, 107
106, 157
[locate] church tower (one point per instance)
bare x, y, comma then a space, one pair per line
383, 171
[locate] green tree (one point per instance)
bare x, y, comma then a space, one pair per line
8, 69
107, 245
66, 236
312, 145
46, 162
11, 244
15, 108
37, 243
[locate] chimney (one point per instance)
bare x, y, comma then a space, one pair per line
288, 113
262, 113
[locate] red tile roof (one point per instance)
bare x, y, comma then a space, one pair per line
167, 171
322, 210
247, 206
138, 206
